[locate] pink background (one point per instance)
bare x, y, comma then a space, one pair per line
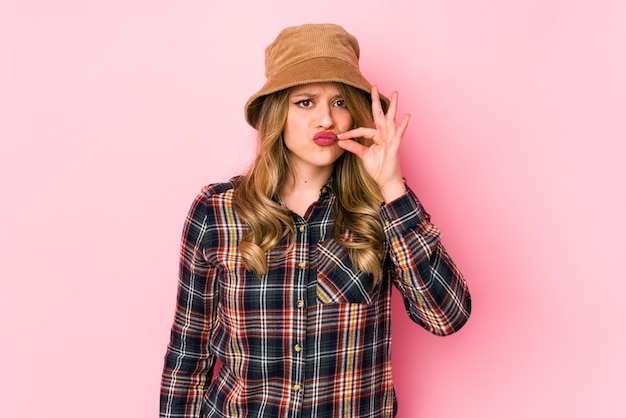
113, 114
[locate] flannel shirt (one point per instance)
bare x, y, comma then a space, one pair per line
312, 338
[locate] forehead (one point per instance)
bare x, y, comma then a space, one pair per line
316, 89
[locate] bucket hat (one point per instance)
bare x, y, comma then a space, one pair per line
309, 53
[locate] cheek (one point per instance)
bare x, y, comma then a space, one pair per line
288, 128
345, 123
343, 120
293, 124
291, 130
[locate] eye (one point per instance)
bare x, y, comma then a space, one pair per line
306, 103
340, 103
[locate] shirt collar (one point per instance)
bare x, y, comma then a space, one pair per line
328, 189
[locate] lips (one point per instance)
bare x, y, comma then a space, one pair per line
325, 139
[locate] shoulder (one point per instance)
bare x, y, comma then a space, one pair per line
211, 214
214, 190
217, 194
215, 201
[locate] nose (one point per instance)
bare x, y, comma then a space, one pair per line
325, 117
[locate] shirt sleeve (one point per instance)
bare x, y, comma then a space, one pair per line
188, 365
435, 292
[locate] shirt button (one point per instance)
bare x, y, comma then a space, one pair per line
300, 303
297, 348
302, 265
302, 228
387, 222
297, 387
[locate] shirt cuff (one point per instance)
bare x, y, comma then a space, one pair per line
403, 214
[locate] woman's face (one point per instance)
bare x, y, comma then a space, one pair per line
316, 114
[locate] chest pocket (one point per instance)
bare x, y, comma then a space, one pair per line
337, 280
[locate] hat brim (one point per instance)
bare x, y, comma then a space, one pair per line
315, 70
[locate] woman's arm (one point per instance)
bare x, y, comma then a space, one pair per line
189, 364
434, 290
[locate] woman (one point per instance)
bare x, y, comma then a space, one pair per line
286, 272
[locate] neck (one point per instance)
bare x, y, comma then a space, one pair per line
304, 180
300, 191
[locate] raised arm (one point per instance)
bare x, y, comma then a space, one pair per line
435, 292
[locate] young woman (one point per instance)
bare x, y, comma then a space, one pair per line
286, 272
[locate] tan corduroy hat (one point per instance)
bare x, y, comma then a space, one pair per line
310, 53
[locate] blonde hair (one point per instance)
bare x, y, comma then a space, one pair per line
357, 225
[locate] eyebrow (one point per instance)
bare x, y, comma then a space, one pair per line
311, 95
303, 95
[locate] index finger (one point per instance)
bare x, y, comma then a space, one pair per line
357, 133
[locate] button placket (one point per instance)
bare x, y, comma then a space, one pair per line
299, 332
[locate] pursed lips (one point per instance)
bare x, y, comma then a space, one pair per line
325, 138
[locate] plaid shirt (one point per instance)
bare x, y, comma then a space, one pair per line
312, 338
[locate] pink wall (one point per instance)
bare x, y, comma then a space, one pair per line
113, 115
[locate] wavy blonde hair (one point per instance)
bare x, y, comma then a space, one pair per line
358, 196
